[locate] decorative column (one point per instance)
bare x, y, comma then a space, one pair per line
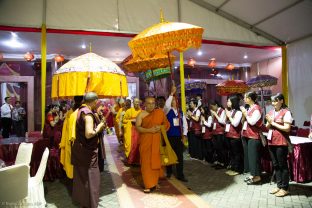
285, 74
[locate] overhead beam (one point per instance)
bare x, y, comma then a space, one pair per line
238, 21
278, 12
224, 3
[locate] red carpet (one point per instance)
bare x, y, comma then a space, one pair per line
129, 185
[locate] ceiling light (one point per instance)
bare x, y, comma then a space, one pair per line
83, 46
199, 53
14, 35
245, 57
13, 43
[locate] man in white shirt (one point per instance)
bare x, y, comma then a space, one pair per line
6, 117
177, 133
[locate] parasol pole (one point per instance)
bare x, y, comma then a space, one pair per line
182, 82
43, 64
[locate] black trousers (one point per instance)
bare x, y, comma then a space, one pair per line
207, 150
279, 160
177, 147
6, 127
195, 148
236, 154
253, 156
19, 128
221, 148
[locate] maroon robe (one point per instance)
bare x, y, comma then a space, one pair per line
86, 182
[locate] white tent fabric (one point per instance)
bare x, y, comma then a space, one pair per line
217, 27
122, 16
300, 80
21, 13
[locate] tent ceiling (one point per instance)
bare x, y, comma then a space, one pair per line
116, 48
286, 20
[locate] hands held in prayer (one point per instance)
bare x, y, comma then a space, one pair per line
213, 113
189, 113
244, 111
269, 119
202, 118
102, 124
227, 113
56, 119
155, 129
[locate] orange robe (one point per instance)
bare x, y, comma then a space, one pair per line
149, 148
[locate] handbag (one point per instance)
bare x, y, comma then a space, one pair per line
167, 155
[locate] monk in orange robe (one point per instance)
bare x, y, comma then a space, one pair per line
148, 123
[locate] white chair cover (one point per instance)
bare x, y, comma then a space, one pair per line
35, 197
24, 153
35, 184
14, 184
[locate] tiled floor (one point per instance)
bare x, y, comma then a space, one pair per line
214, 186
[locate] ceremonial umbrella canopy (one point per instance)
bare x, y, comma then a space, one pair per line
131, 64
89, 73
194, 87
261, 81
231, 87
165, 37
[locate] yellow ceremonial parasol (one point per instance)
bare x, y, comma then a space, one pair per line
141, 65
89, 73
165, 37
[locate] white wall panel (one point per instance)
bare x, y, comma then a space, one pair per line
300, 80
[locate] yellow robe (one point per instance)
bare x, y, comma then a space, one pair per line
68, 137
130, 114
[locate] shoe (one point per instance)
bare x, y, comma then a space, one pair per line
274, 191
233, 173
281, 193
228, 172
149, 190
252, 182
183, 179
248, 178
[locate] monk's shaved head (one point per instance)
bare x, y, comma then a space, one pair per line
150, 104
90, 97
149, 98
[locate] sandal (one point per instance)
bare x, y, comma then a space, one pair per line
149, 190
281, 193
274, 191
